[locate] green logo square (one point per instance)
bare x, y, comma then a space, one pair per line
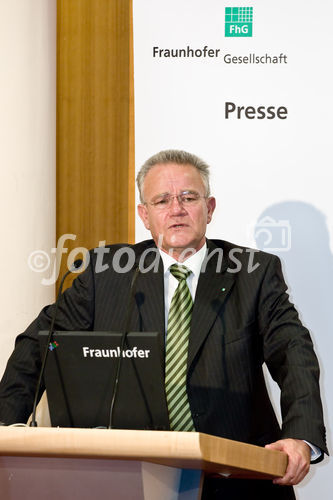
238, 21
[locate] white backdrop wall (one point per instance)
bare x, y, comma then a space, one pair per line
276, 168
27, 170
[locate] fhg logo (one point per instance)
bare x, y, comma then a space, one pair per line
238, 21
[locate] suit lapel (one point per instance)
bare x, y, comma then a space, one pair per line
213, 288
149, 293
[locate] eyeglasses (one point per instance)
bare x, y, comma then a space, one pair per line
185, 199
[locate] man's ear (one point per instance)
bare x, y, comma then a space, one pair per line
143, 214
211, 204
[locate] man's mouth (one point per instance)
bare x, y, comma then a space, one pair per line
176, 226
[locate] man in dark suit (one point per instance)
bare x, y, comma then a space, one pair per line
241, 318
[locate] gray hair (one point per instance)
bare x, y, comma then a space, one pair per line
173, 156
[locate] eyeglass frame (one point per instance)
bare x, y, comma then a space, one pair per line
170, 197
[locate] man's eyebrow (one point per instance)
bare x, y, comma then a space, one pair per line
184, 191
160, 194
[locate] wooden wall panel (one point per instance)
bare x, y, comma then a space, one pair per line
95, 122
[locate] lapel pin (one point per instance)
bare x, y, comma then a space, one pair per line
223, 289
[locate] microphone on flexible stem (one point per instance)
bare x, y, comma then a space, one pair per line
122, 343
76, 265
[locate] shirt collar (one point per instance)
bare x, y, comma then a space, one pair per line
193, 263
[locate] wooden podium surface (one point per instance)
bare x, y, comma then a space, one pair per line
189, 450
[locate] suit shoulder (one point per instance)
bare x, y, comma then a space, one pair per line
118, 255
138, 248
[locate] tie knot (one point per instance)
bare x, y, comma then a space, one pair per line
180, 272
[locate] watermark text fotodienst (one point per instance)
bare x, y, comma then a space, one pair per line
124, 259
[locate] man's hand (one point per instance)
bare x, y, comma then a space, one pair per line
299, 455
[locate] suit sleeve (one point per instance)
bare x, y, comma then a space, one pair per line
18, 385
290, 358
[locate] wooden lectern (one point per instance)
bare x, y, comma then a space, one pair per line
93, 464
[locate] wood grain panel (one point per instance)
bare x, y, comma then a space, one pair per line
95, 122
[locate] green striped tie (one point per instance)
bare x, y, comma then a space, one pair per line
179, 321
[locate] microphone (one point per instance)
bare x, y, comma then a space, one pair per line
122, 343
76, 265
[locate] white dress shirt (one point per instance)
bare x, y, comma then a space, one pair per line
193, 263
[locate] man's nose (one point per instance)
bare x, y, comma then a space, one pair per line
176, 205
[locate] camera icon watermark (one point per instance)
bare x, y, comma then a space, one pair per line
272, 235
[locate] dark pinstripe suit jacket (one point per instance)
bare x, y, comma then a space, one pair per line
240, 320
